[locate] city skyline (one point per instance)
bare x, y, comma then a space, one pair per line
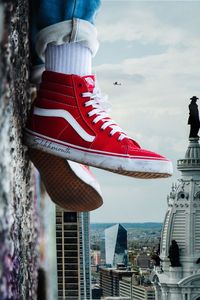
155, 57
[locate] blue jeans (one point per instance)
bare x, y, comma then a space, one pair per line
61, 21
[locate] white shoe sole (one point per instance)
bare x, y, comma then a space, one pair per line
122, 164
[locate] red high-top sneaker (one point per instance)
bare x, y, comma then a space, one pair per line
68, 120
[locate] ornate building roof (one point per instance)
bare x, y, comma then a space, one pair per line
182, 224
192, 156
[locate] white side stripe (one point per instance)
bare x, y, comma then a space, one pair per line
60, 113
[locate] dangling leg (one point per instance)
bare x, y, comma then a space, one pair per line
68, 118
70, 185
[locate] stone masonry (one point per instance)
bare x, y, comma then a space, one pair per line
18, 218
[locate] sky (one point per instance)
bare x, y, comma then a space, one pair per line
153, 49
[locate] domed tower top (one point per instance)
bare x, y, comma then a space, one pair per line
191, 162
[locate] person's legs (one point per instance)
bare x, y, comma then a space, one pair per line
68, 119
70, 185
50, 12
55, 13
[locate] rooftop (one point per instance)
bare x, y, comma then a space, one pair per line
192, 156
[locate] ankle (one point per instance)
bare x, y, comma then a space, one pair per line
68, 58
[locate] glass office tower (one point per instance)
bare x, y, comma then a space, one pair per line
116, 245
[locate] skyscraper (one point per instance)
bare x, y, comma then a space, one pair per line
116, 245
85, 259
179, 277
73, 255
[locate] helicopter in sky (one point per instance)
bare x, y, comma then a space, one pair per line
117, 83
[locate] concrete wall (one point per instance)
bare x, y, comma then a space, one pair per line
18, 218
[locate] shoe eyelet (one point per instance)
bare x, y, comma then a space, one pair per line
80, 85
81, 95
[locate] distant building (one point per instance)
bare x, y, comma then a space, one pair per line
95, 257
143, 260
96, 292
103, 251
110, 278
73, 255
85, 260
136, 292
179, 276
115, 298
116, 245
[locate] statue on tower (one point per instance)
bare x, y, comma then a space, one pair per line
193, 119
174, 254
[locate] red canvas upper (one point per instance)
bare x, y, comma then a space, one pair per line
65, 92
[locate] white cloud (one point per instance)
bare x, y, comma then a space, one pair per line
161, 81
132, 24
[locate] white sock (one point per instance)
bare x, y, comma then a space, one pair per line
69, 58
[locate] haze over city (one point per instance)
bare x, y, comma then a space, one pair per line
152, 48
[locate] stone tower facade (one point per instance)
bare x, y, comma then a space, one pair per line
182, 224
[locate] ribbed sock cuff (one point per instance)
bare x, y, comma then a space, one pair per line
69, 58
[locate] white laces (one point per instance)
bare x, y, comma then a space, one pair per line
100, 107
